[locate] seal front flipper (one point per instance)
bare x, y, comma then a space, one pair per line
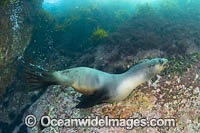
87, 101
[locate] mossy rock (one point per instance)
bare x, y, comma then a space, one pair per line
6, 3
170, 6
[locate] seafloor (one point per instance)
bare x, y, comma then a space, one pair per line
175, 93
169, 96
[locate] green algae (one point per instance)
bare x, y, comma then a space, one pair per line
97, 36
122, 15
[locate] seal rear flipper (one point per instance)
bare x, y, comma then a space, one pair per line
87, 101
38, 78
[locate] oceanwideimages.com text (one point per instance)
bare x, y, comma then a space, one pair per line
130, 123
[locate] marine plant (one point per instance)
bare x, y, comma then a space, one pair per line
43, 18
97, 36
72, 27
67, 24
169, 6
5, 3
37, 2
144, 10
1, 54
122, 15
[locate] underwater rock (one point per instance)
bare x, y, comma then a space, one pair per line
147, 37
171, 97
15, 35
136, 40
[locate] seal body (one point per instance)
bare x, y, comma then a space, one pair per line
83, 79
98, 86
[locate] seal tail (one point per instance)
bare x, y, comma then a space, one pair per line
38, 78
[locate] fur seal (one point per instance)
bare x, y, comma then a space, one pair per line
98, 86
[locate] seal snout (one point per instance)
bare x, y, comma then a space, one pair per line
163, 61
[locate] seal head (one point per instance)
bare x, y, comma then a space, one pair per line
134, 77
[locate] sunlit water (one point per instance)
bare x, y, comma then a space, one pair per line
63, 4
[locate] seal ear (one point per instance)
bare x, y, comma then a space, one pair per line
87, 101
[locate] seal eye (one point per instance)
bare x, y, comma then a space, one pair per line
161, 62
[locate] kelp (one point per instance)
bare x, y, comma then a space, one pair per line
97, 36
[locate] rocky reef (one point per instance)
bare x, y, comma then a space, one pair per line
153, 36
15, 35
172, 94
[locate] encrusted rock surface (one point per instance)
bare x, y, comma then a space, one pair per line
175, 94
171, 95
15, 34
